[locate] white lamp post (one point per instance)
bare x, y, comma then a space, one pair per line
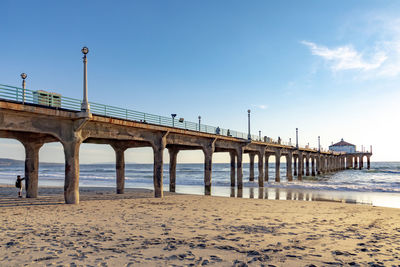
85, 104
249, 135
23, 76
199, 122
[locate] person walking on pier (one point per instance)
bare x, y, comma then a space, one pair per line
18, 184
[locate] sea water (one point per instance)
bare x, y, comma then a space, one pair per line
378, 186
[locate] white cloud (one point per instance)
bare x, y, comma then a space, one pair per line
347, 58
260, 106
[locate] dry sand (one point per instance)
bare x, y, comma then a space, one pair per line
185, 230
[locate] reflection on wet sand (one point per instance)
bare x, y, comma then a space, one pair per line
260, 192
290, 194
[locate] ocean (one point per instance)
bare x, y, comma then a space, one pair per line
379, 186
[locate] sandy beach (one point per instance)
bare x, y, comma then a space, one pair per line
135, 229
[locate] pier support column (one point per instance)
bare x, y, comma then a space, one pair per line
349, 162
326, 169
313, 166
158, 150
318, 164
251, 156
233, 170
355, 162
71, 184
295, 165
361, 164
368, 163
300, 167
31, 167
260, 169
333, 160
308, 165
173, 155
266, 167
208, 152
239, 169
289, 175
120, 167
277, 165
328, 164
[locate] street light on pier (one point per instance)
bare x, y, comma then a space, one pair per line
249, 135
23, 76
259, 135
85, 104
297, 137
173, 119
199, 122
319, 144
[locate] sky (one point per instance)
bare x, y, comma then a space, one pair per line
329, 68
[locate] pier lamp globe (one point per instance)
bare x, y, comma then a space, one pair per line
173, 119
85, 50
23, 76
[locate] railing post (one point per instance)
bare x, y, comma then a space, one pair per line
105, 110
126, 113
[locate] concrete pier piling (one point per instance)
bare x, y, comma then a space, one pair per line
260, 155
251, 166
266, 169
313, 172
233, 170
31, 167
120, 168
71, 183
173, 154
277, 165
289, 174
239, 168
300, 167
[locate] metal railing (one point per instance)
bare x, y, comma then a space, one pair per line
56, 101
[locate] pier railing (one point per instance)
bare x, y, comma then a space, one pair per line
57, 101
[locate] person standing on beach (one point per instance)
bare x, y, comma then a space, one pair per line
18, 184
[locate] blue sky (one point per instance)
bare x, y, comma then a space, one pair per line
330, 68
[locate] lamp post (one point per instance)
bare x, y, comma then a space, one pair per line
23, 76
259, 135
319, 144
290, 141
85, 104
297, 137
249, 135
199, 122
173, 119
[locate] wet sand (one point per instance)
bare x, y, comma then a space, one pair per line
136, 229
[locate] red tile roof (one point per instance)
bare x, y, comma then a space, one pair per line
342, 143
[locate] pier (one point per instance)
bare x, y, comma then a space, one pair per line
70, 121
